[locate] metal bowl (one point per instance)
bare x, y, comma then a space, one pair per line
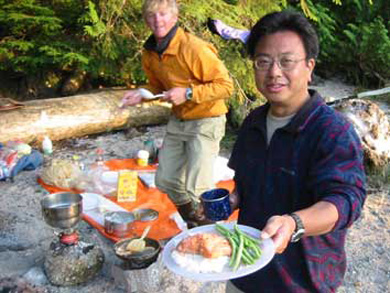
138, 260
118, 223
62, 210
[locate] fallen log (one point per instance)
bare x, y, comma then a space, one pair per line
77, 116
373, 127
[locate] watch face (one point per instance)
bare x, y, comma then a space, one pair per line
188, 94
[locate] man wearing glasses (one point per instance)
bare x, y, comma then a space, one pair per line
298, 165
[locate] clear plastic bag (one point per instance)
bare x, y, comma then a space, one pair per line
8, 159
93, 180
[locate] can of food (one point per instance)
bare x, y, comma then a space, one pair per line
142, 158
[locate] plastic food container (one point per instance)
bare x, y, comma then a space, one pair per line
110, 177
142, 158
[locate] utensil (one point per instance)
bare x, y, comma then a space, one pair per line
138, 244
361, 95
146, 94
62, 209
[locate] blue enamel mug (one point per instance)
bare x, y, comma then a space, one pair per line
216, 204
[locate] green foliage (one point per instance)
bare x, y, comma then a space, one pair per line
370, 43
32, 39
97, 27
354, 38
116, 33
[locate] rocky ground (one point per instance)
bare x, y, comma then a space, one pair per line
25, 237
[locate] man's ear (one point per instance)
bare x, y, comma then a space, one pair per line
310, 65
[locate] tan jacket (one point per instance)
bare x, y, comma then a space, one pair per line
190, 62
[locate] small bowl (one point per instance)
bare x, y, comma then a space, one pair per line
118, 223
139, 260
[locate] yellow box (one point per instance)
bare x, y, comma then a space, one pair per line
127, 186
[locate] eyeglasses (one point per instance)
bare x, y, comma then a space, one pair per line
263, 63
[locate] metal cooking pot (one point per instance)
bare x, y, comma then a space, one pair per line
118, 223
62, 209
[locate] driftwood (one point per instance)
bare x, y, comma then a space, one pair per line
77, 116
373, 127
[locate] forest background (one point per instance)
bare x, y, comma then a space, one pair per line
51, 48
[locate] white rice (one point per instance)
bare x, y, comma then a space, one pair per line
199, 264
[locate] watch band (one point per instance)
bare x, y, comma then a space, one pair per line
299, 228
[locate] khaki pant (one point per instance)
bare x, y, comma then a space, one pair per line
230, 288
186, 160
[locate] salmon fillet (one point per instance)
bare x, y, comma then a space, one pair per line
209, 245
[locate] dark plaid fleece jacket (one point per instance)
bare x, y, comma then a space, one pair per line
315, 157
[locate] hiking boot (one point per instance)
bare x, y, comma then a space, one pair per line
192, 216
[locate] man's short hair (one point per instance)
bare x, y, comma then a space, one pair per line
285, 21
151, 6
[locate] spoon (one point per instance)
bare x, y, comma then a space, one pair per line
146, 94
138, 245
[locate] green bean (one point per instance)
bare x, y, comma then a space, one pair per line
245, 248
234, 251
246, 236
246, 254
239, 254
247, 260
222, 228
256, 249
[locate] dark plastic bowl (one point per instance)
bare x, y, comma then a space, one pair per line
139, 260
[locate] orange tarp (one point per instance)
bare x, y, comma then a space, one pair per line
163, 227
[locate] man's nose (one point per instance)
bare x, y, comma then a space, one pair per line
275, 69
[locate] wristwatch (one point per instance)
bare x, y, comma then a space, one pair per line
188, 94
299, 228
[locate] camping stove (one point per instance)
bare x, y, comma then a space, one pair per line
69, 238
69, 260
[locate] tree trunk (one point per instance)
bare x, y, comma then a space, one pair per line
77, 116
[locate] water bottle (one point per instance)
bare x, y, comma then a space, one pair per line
47, 145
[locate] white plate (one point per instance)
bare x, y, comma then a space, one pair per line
267, 247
